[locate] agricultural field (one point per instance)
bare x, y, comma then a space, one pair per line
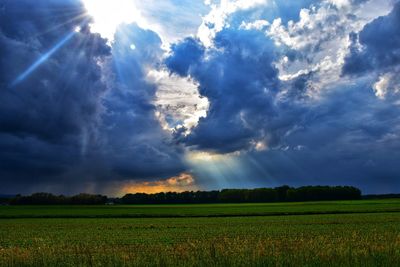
340, 233
201, 210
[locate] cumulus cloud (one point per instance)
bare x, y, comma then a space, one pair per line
317, 44
215, 20
376, 49
238, 79
232, 13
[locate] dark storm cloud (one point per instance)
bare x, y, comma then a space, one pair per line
239, 80
186, 53
380, 41
61, 125
135, 144
43, 116
348, 138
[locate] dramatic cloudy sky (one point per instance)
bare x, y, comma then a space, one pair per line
116, 96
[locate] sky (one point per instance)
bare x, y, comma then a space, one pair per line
119, 96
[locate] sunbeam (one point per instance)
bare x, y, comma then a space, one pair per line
42, 59
216, 170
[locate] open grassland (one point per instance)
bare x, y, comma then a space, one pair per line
353, 239
201, 210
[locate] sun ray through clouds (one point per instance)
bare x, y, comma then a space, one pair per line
42, 59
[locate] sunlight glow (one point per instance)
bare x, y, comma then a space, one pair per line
108, 14
206, 156
219, 170
180, 183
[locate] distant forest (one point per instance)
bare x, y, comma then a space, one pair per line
278, 194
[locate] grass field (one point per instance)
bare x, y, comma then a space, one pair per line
353, 233
201, 210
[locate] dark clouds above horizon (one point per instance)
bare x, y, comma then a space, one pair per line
298, 94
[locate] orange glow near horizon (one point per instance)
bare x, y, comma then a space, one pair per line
180, 183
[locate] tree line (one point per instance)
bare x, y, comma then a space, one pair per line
277, 194
50, 199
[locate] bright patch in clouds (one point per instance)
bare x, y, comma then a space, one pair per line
178, 101
204, 156
108, 14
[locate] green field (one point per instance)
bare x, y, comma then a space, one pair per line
343, 233
201, 210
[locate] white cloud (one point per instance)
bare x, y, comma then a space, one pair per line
215, 21
340, 3
178, 101
388, 83
255, 25
171, 19
321, 39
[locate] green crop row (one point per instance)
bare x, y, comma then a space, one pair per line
306, 240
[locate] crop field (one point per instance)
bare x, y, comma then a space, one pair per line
201, 210
343, 233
